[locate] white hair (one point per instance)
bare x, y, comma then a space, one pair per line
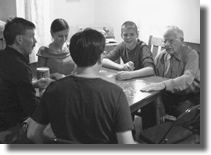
177, 31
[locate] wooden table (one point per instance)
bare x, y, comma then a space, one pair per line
135, 97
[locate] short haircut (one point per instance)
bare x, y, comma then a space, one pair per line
16, 26
59, 25
86, 47
179, 33
129, 24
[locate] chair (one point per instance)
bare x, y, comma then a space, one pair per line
155, 45
174, 132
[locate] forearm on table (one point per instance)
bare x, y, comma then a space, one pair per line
146, 71
178, 84
110, 64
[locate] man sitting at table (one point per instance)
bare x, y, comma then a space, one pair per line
17, 94
83, 107
180, 64
136, 55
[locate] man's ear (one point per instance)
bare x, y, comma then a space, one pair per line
18, 39
52, 34
137, 33
100, 60
121, 36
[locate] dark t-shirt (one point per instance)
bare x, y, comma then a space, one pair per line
17, 95
141, 55
84, 110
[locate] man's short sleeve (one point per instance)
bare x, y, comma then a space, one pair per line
147, 59
123, 116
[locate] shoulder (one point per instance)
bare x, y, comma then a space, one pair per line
120, 46
143, 47
188, 50
142, 44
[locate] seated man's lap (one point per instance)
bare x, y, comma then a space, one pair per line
177, 104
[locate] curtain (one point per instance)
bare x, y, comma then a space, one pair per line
38, 11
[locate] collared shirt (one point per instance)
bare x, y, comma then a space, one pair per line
141, 55
183, 72
17, 95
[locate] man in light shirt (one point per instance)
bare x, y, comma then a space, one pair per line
180, 64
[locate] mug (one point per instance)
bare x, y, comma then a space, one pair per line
43, 72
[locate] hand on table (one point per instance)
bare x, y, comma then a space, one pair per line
154, 87
124, 75
129, 66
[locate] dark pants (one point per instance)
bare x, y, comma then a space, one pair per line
174, 105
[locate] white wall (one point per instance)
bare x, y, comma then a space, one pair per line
151, 16
78, 13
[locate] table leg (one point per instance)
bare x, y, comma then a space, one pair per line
160, 111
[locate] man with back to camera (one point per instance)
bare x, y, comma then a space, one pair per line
83, 107
17, 94
180, 64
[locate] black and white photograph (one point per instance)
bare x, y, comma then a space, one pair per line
109, 72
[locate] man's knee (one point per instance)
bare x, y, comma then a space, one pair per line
183, 107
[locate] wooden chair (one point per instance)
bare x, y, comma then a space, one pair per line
174, 132
155, 45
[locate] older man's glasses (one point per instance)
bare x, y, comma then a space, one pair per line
170, 41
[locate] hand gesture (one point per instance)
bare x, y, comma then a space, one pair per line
129, 66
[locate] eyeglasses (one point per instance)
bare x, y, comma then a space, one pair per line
170, 41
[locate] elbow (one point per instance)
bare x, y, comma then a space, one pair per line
151, 71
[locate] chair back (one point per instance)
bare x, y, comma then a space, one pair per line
189, 116
155, 45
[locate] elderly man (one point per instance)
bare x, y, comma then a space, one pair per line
180, 64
